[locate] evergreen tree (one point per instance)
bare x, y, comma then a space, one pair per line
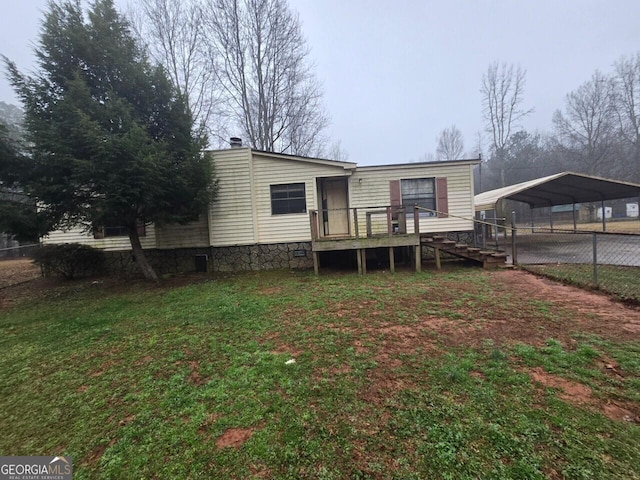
18, 214
111, 141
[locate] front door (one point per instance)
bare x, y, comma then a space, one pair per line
335, 205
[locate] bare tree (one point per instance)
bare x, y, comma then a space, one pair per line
628, 110
267, 82
502, 94
450, 144
586, 130
173, 32
336, 152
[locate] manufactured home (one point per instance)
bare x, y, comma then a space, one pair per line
284, 211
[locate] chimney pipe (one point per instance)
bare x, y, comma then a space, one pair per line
235, 142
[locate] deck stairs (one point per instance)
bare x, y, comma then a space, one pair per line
488, 258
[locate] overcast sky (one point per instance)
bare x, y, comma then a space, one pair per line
395, 73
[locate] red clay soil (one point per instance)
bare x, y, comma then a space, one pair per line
587, 311
234, 437
581, 395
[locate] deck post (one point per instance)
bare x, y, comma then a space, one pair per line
313, 220
363, 254
316, 267
392, 261
416, 220
359, 260
418, 255
355, 222
437, 255
389, 222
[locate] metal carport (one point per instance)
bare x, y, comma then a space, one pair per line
560, 189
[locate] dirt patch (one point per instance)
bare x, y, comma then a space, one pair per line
260, 471
234, 437
572, 392
143, 360
270, 291
96, 454
194, 377
580, 395
127, 420
586, 311
622, 412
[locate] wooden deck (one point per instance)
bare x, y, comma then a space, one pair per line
395, 235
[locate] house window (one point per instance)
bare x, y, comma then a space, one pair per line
110, 231
115, 231
421, 192
289, 198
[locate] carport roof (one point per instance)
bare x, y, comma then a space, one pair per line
559, 189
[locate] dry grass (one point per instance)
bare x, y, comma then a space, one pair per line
613, 226
16, 271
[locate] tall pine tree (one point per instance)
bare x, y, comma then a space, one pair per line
110, 139
18, 213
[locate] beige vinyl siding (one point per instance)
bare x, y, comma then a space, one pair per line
374, 191
192, 234
269, 171
231, 214
78, 235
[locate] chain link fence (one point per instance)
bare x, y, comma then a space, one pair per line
607, 261
18, 251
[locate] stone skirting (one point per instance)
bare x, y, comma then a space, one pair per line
295, 255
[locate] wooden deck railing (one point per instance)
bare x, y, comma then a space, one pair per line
393, 222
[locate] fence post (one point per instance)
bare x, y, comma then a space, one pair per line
595, 259
514, 255
484, 235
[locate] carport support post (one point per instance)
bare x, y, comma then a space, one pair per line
604, 218
514, 256
575, 223
595, 259
532, 222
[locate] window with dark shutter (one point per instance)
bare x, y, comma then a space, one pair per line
421, 192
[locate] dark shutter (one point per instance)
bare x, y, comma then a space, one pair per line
142, 230
442, 197
394, 193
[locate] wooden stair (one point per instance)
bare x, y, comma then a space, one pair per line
488, 258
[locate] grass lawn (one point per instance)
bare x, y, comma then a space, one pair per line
456, 374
